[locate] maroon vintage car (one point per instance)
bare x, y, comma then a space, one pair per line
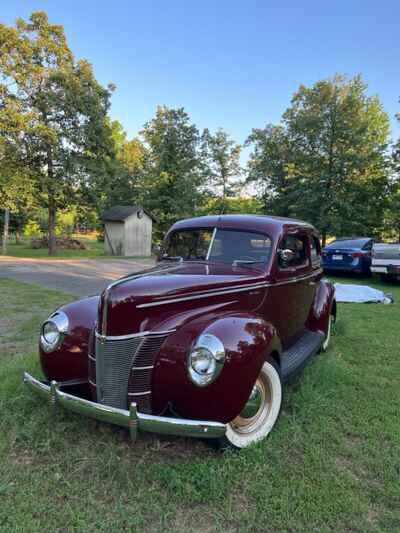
200, 344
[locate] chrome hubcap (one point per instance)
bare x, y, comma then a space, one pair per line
253, 403
257, 408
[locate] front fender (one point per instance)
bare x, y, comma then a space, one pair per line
69, 361
247, 338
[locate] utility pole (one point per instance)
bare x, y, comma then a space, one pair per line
5, 230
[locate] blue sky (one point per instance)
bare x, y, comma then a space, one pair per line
231, 64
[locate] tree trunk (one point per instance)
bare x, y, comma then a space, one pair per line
5, 231
323, 234
17, 236
51, 229
52, 204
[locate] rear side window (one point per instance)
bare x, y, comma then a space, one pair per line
315, 250
297, 245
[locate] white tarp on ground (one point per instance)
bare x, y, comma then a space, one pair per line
360, 294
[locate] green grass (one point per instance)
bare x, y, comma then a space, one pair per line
331, 464
23, 249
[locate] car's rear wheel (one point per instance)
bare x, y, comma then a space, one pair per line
261, 411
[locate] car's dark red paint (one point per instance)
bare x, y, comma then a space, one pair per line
256, 311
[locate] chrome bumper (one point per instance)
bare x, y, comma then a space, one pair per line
132, 419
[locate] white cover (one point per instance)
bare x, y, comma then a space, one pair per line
360, 294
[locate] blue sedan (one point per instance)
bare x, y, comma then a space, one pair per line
348, 255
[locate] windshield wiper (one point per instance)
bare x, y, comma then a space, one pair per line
172, 257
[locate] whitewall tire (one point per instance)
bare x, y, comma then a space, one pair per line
258, 418
328, 334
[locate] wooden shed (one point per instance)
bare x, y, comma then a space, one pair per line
127, 231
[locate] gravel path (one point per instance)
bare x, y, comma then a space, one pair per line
82, 277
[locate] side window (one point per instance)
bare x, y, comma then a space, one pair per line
293, 251
315, 249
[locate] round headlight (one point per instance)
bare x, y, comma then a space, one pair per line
50, 332
206, 359
53, 331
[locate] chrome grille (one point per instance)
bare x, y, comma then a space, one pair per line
139, 387
114, 360
124, 369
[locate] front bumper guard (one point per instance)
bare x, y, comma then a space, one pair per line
131, 419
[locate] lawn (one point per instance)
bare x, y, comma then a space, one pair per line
331, 464
23, 249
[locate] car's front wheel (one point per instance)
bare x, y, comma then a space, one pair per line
260, 412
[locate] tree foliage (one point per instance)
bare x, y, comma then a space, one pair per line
52, 112
327, 161
221, 160
392, 214
172, 173
122, 184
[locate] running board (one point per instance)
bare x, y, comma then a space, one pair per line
307, 346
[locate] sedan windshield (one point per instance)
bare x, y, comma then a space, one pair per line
225, 246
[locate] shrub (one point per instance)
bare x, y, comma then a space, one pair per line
62, 242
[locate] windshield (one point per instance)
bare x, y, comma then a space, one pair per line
225, 246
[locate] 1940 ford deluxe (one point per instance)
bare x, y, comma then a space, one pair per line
200, 344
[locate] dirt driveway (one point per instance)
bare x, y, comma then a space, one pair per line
77, 276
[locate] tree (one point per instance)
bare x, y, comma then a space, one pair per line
327, 161
52, 112
123, 182
172, 167
17, 194
268, 168
222, 166
392, 214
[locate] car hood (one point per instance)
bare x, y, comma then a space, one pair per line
143, 300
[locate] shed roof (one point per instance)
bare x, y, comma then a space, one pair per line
119, 213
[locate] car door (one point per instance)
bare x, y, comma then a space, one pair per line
292, 292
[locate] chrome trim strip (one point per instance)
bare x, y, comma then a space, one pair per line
145, 393
132, 335
142, 367
207, 291
91, 357
211, 244
296, 279
203, 295
92, 383
229, 290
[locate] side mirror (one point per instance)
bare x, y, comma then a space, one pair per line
286, 256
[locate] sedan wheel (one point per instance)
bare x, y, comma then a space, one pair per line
260, 412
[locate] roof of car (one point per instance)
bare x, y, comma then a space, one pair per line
263, 223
